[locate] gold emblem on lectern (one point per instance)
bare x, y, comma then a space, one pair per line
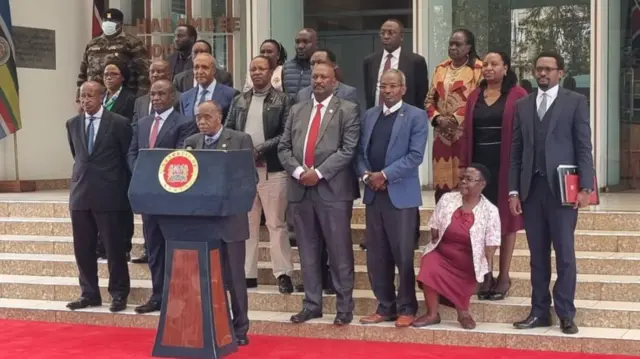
178, 171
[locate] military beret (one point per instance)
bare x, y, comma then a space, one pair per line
113, 15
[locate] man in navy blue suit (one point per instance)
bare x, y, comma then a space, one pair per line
163, 128
392, 145
208, 89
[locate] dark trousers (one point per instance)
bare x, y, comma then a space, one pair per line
548, 223
127, 228
232, 256
327, 282
317, 221
156, 247
86, 225
390, 240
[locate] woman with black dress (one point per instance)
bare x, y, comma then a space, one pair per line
486, 139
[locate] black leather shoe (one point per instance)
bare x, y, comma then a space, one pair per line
102, 256
343, 319
533, 322
304, 316
118, 305
141, 260
285, 286
252, 283
148, 307
568, 326
83, 302
329, 291
243, 340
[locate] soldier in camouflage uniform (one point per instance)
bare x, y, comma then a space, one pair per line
114, 42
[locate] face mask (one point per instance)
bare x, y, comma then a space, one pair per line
109, 27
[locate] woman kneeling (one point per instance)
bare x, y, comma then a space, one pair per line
465, 232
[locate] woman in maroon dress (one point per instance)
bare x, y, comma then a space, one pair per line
465, 228
486, 139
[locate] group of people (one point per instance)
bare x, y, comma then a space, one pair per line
314, 145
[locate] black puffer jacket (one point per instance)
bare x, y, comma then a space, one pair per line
296, 75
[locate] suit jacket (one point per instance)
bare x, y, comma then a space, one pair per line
342, 91
235, 228
141, 107
335, 149
183, 81
568, 141
125, 103
222, 95
174, 131
414, 68
405, 153
100, 180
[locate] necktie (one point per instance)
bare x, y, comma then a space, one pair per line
387, 112
543, 106
210, 142
154, 131
90, 135
203, 96
312, 136
387, 66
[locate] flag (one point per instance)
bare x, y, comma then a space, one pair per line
9, 101
96, 25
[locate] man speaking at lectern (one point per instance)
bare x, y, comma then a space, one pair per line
213, 136
163, 128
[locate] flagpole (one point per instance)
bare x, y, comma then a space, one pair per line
15, 155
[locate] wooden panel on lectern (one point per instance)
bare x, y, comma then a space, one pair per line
219, 302
183, 324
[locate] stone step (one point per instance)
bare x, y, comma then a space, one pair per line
589, 287
502, 335
49, 244
591, 219
591, 313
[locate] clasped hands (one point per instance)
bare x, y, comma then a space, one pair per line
309, 178
376, 181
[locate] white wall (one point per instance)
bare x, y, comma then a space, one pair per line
47, 97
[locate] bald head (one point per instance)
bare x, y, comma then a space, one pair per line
306, 43
159, 70
91, 97
204, 69
161, 95
209, 118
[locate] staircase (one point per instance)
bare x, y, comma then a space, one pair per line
38, 275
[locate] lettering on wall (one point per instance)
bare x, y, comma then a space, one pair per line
208, 28
35, 48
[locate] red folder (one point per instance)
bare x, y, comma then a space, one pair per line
572, 187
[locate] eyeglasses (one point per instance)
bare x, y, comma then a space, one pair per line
545, 69
383, 87
469, 179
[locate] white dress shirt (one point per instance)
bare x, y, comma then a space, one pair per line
96, 122
552, 93
207, 97
163, 119
395, 61
298, 171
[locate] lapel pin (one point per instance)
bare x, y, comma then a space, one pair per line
224, 145
330, 110
402, 114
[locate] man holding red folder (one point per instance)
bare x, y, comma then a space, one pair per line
551, 129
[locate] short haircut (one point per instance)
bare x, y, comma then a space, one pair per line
271, 64
206, 43
172, 89
397, 22
124, 70
191, 30
555, 55
403, 78
213, 59
330, 54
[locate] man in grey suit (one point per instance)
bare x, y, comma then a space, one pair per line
99, 140
185, 80
158, 70
317, 149
213, 136
551, 128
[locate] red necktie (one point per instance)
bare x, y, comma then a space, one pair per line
387, 66
312, 136
154, 131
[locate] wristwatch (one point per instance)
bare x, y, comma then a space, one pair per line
588, 191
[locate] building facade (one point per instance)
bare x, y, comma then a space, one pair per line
599, 39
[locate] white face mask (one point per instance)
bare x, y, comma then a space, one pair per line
109, 27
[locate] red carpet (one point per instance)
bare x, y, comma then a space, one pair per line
35, 340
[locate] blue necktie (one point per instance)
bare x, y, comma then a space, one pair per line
90, 135
210, 142
203, 96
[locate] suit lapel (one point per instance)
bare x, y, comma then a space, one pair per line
119, 104
374, 69
105, 122
328, 116
404, 64
168, 125
224, 141
145, 103
369, 130
200, 142
305, 114
532, 117
83, 131
396, 126
555, 111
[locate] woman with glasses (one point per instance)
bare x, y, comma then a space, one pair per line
465, 232
486, 139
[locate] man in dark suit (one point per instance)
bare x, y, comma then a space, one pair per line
317, 149
551, 128
393, 141
165, 128
99, 140
185, 81
213, 136
158, 70
208, 89
180, 60
393, 56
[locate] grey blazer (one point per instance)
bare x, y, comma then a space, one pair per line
236, 227
335, 149
342, 91
568, 141
183, 81
141, 107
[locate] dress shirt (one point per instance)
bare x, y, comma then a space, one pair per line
96, 123
391, 110
215, 137
298, 171
163, 118
552, 93
209, 94
115, 96
395, 61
